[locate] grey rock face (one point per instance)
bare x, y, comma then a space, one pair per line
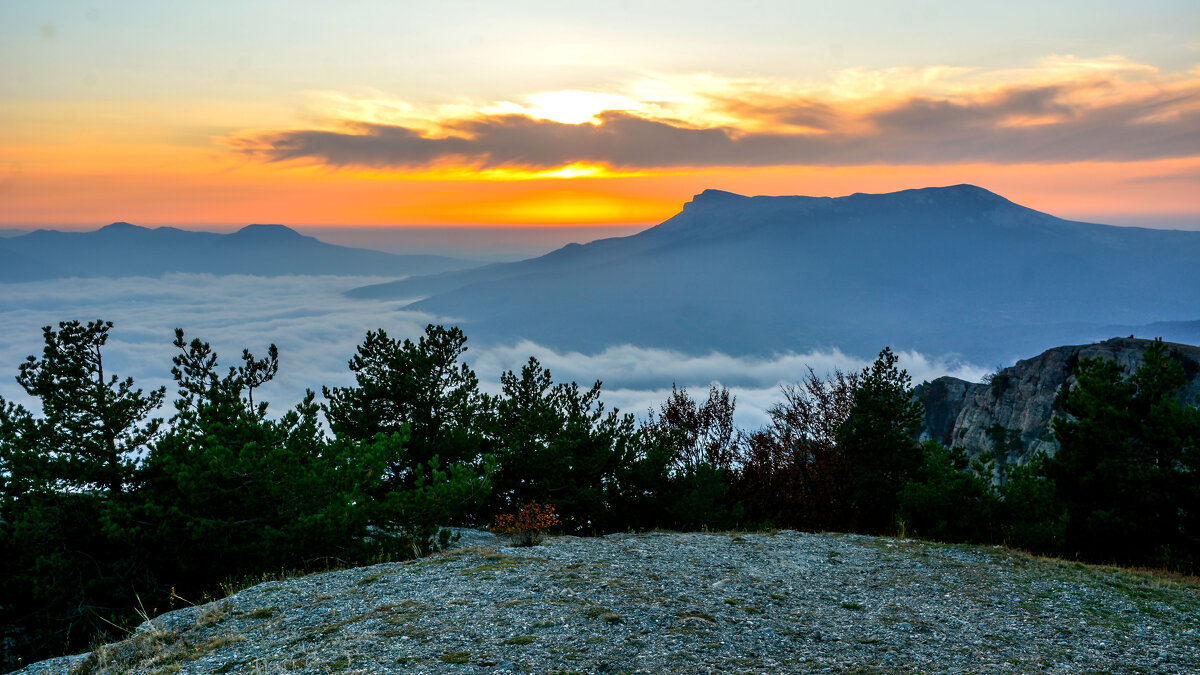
1011, 416
944, 399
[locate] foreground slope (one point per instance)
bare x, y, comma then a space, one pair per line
940, 270
122, 250
661, 602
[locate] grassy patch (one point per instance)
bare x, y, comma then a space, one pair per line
519, 640
455, 657
215, 643
494, 563
212, 615
369, 579
262, 613
515, 603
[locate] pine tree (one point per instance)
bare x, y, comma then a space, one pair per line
1128, 468
231, 491
423, 387
93, 424
878, 443
69, 571
555, 444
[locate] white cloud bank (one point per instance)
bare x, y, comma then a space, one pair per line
317, 330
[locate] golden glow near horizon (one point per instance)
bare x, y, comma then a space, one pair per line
580, 134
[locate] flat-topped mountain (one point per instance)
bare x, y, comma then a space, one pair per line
122, 249
939, 270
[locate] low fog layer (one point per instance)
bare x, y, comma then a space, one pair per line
489, 243
317, 330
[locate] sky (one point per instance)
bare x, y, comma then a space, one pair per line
377, 112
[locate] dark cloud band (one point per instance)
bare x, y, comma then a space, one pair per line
1015, 125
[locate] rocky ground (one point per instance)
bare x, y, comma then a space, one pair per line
689, 603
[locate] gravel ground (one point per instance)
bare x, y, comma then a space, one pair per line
688, 603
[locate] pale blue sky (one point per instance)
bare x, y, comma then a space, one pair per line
489, 50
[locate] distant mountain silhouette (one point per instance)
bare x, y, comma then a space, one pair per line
122, 250
940, 270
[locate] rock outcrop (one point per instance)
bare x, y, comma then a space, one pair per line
1011, 415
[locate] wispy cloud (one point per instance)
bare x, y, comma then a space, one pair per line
1177, 177
317, 331
638, 378
1062, 110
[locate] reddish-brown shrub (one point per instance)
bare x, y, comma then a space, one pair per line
526, 527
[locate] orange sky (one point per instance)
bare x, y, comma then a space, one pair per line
552, 128
1104, 192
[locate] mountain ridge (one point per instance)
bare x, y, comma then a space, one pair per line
123, 249
954, 270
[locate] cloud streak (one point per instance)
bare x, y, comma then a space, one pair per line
1066, 111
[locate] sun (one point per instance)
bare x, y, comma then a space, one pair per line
574, 106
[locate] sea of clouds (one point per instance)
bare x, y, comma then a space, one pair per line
317, 329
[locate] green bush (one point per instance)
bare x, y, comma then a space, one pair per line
1030, 514
951, 500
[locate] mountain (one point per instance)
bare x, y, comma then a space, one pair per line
121, 250
1020, 398
951, 270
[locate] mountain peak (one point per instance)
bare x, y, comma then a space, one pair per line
958, 193
121, 226
710, 196
272, 231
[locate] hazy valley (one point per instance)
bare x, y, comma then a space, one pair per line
743, 291
749, 295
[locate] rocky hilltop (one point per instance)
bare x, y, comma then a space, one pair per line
661, 602
1011, 415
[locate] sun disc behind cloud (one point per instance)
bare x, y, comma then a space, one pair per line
574, 106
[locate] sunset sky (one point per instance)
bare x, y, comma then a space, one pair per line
373, 112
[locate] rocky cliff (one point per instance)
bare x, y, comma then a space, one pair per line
1010, 416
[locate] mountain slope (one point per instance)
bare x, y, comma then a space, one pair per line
940, 270
121, 249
